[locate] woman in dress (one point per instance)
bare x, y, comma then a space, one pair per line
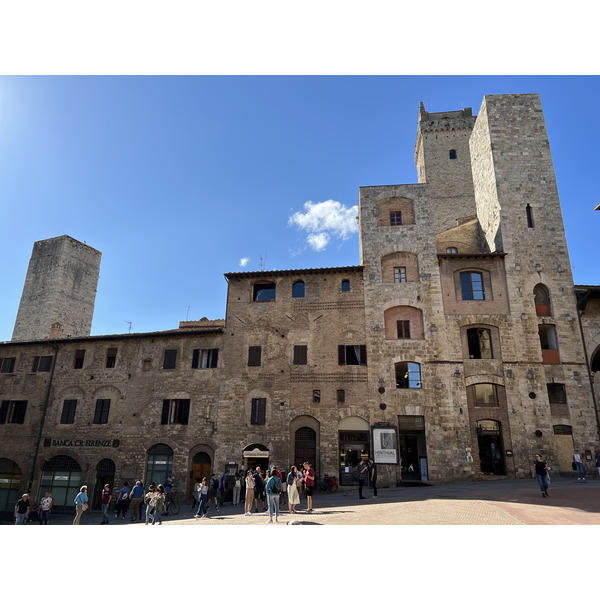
293, 495
249, 492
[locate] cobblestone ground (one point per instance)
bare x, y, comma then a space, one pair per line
501, 502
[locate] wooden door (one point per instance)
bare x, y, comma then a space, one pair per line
200, 468
564, 450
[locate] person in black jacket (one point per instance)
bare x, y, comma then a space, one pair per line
373, 470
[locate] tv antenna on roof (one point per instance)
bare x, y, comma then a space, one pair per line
187, 314
130, 324
263, 261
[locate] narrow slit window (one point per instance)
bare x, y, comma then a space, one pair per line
529, 212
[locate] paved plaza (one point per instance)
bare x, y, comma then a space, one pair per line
500, 502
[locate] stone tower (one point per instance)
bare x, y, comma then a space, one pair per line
59, 292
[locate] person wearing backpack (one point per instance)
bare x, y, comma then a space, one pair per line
273, 490
122, 501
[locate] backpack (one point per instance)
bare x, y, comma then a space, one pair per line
124, 496
277, 487
238, 482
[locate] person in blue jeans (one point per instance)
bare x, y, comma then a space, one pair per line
202, 499
540, 472
273, 495
579, 464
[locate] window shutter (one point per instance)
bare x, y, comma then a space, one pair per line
195, 359
36, 362
4, 410
300, 355
184, 411
500, 394
363, 355
214, 359
164, 420
341, 355
262, 411
254, 355
254, 411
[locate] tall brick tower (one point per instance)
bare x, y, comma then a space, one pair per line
59, 292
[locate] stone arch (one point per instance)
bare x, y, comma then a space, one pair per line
396, 319
302, 446
395, 204
392, 262
541, 298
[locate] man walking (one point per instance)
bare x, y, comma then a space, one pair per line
22, 508
137, 493
362, 474
259, 489
373, 470
106, 498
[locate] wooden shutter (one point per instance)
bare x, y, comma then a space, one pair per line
68, 413
19, 411
341, 355
254, 355
195, 359
4, 410
214, 359
363, 355
300, 355
36, 362
259, 409
164, 420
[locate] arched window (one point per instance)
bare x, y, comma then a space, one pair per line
61, 476
471, 285
542, 300
408, 375
298, 289
160, 464
10, 476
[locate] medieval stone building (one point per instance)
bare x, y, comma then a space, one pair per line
458, 349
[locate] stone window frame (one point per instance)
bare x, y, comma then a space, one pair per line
111, 357
205, 358
258, 411
348, 357
170, 359
452, 154
402, 372
79, 359
465, 285
542, 300
175, 411
345, 285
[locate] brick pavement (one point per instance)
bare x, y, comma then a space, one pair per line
501, 502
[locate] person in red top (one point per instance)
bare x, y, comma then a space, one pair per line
309, 482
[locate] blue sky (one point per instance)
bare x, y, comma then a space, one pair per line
178, 180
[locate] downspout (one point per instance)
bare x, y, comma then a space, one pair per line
44, 411
587, 364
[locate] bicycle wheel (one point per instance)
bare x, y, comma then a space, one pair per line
174, 506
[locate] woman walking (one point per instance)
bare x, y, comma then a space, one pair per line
292, 482
203, 499
272, 490
80, 500
148, 498
540, 471
249, 493
159, 500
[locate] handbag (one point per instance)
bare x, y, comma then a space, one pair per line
574, 466
84, 506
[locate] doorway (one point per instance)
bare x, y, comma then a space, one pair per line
563, 437
105, 474
201, 467
305, 448
491, 447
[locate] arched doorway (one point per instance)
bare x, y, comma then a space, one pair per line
491, 447
256, 455
105, 473
354, 444
10, 481
160, 464
61, 476
200, 468
305, 447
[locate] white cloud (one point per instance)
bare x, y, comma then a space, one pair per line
244, 261
324, 221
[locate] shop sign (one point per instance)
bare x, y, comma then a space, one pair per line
385, 445
256, 453
80, 443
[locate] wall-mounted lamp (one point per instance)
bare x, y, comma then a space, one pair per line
457, 373
438, 384
530, 374
433, 327
523, 316
538, 267
509, 373
576, 375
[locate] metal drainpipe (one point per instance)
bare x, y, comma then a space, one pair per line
587, 364
44, 411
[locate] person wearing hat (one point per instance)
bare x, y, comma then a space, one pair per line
22, 508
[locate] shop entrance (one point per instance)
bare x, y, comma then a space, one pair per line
200, 469
105, 473
61, 476
491, 448
10, 482
256, 455
413, 450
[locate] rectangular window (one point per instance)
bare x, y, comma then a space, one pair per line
259, 409
68, 411
175, 412
352, 355
101, 412
403, 330
341, 396
471, 285
264, 292
399, 274
300, 355
529, 213
13, 411
7, 365
79, 357
254, 356
395, 218
408, 375
41, 363
480, 343
484, 394
557, 393
205, 359
170, 359
549, 344
111, 358
316, 396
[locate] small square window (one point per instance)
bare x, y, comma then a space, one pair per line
175, 412
452, 154
345, 285
79, 358
399, 274
395, 218
316, 396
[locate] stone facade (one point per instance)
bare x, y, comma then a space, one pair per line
454, 350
